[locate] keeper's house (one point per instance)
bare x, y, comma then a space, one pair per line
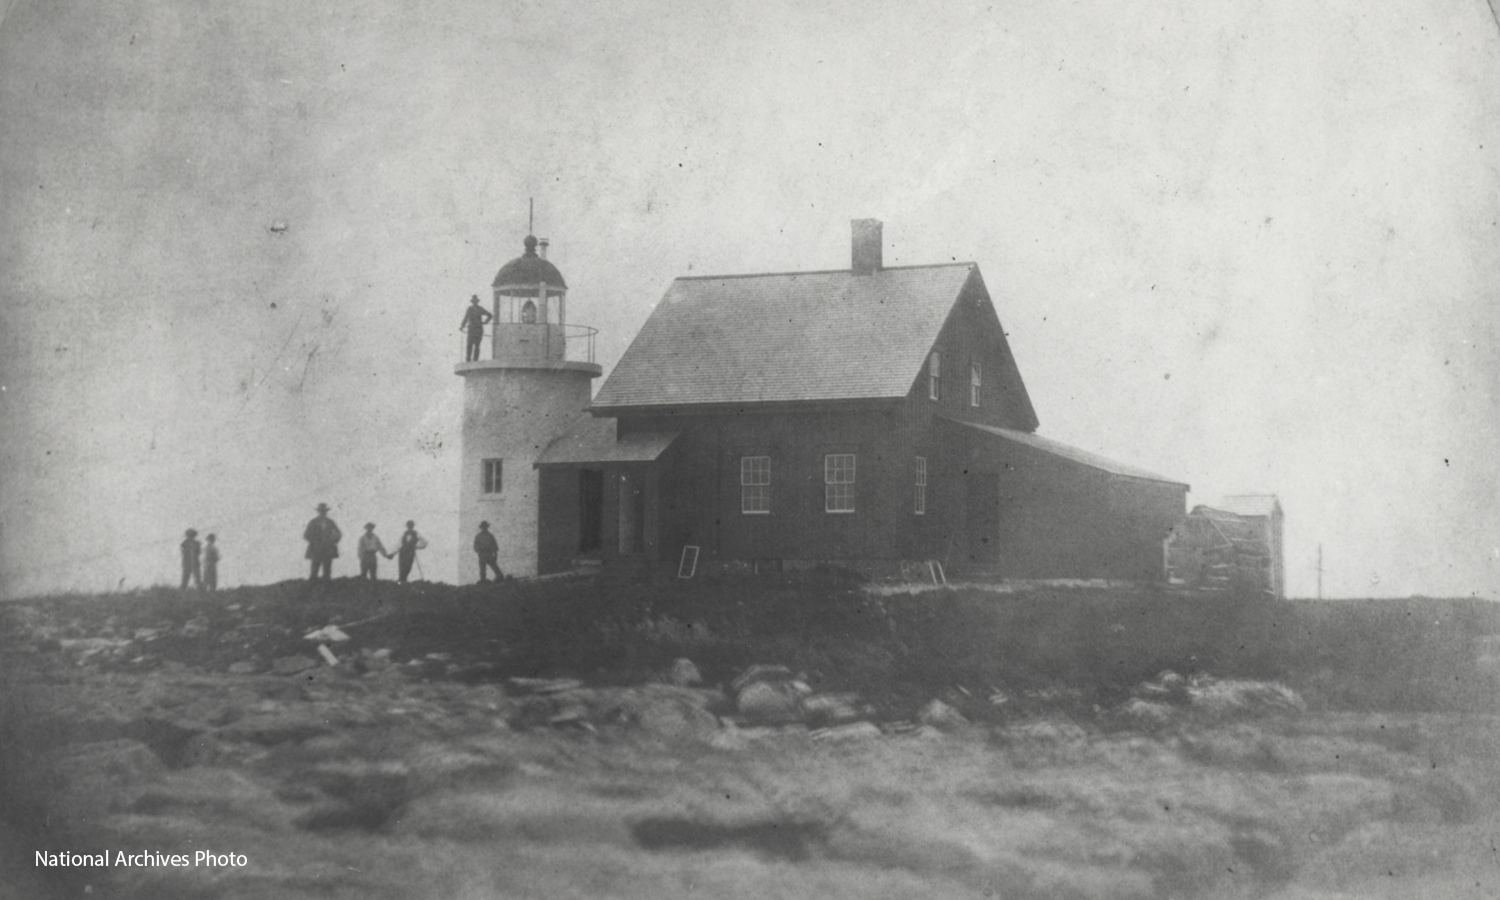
864, 417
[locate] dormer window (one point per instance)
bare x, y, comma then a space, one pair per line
528, 313
974, 384
934, 375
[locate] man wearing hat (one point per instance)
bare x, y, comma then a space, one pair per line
474, 318
190, 554
322, 536
369, 547
406, 553
488, 551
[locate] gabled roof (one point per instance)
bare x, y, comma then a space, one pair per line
1057, 448
788, 337
1250, 504
591, 440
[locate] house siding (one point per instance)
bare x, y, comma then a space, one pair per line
699, 490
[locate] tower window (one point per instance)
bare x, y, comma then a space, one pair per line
490, 475
974, 384
838, 483
755, 485
528, 313
934, 375
921, 504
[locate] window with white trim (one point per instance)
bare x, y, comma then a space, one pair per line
974, 384
838, 483
755, 485
921, 505
934, 376
490, 472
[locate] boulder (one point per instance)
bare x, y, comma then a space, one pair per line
850, 732
771, 701
1148, 713
842, 707
941, 716
291, 665
761, 672
685, 674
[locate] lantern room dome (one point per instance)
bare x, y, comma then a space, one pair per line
521, 276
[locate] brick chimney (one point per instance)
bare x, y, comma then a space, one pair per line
867, 242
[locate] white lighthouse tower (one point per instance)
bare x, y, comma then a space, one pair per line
533, 382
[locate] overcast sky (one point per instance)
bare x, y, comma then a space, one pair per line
1253, 247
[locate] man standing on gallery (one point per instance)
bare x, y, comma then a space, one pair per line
474, 318
322, 535
488, 551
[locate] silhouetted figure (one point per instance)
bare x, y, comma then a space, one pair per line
370, 551
406, 553
190, 553
210, 564
488, 551
474, 318
322, 536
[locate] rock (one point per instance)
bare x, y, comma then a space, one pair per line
685, 674
326, 634
761, 672
1148, 713
852, 731
772, 702
1231, 697
543, 685
836, 707
291, 665
678, 719
941, 716
242, 668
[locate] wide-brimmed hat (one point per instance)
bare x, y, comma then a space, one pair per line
322, 507
484, 524
369, 526
191, 533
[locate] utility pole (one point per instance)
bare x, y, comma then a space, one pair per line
1320, 571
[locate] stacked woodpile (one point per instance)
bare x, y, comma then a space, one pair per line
1216, 550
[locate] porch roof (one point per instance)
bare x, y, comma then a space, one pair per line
591, 440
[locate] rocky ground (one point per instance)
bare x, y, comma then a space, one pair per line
352, 741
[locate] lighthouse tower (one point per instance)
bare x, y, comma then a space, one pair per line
530, 385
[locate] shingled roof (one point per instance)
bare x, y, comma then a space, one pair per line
786, 337
591, 440
1066, 451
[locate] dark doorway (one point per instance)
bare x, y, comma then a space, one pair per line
632, 513
590, 510
982, 509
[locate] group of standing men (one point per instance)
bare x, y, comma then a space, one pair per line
200, 563
323, 535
